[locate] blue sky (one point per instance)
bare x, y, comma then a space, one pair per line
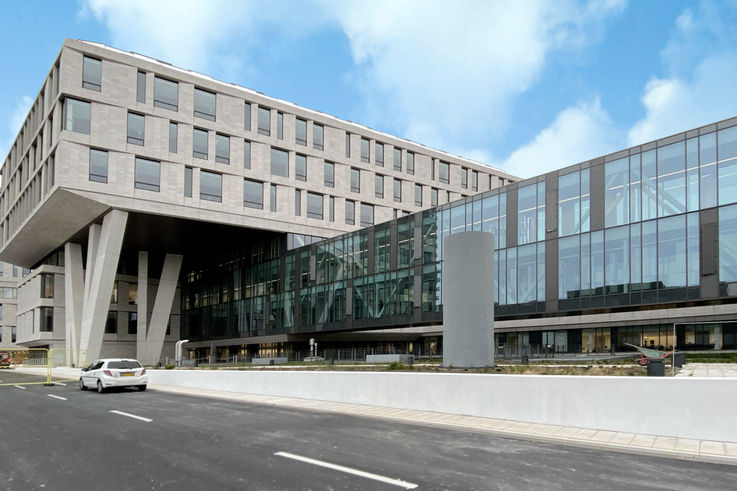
525, 86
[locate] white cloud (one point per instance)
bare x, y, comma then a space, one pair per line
450, 71
578, 133
17, 117
701, 67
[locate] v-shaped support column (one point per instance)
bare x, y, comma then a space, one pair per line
73, 300
102, 266
150, 337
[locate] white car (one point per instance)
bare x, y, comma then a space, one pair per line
113, 372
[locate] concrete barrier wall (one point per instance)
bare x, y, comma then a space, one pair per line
701, 408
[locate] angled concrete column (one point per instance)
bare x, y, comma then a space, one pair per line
468, 300
141, 332
104, 266
93, 242
161, 311
73, 299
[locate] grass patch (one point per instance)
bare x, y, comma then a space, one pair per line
711, 357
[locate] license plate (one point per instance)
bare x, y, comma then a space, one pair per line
127, 374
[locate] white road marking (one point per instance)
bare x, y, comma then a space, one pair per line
19, 387
58, 383
57, 397
141, 418
348, 470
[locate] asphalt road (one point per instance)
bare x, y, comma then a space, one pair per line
73, 441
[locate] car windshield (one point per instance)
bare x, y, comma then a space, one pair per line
124, 364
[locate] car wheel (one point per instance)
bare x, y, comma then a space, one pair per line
141, 388
81, 385
100, 388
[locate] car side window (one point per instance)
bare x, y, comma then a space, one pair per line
98, 365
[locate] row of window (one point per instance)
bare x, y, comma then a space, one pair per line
166, 95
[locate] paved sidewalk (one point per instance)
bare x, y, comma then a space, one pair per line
708, 370
683, 448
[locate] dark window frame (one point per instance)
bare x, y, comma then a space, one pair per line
200, 111
94, 176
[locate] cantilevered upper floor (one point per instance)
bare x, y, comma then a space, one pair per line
111, 129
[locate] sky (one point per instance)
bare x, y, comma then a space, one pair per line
525, 86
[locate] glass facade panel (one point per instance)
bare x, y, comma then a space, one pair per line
617, 247
329, 175
318, 136
569, 267
98, 165
188, 182
367, 215
635, 189
649, 185
379, 154
222, 149
672, 179
692, 174
364, 150
708, 170
692, 245
314, 206
411, 164
173, 137
616, 193
444, 172
527, 214
136, 128
350, 212
527, 273
728, 244
649, 255
727, 154
246, 154
301, 132
398, 159
672, 252
355, 180
92, 73
141, 88
264, 121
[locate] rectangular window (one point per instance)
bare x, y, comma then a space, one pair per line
166, 94
350, 212
331, 209
133, 294
379, 154
314, 205
367, 215
280, 125
272, 197
199, 143
188, 182
348, 145
444, 173
727, 240
318, 136
474, 181
418, 195
211, 186
300, 167
246, 154
379, 186
279, 162
47, 319
77, 116
410, 163
398, 159
300, 132
92, 73
47, 285
253, 194
365, 156
141, 87
173, 134
297, 202
329, 175
264, 121
147, 174
355, 180
132, 323
98, 165
433, 197
397, 190
111, 324
204, 104
247, 116
136, 128
222, 148
464, 178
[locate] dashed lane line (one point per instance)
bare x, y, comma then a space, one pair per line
129, 415
19, 387
348, 470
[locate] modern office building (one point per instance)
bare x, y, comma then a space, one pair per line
631, 247
131, 180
